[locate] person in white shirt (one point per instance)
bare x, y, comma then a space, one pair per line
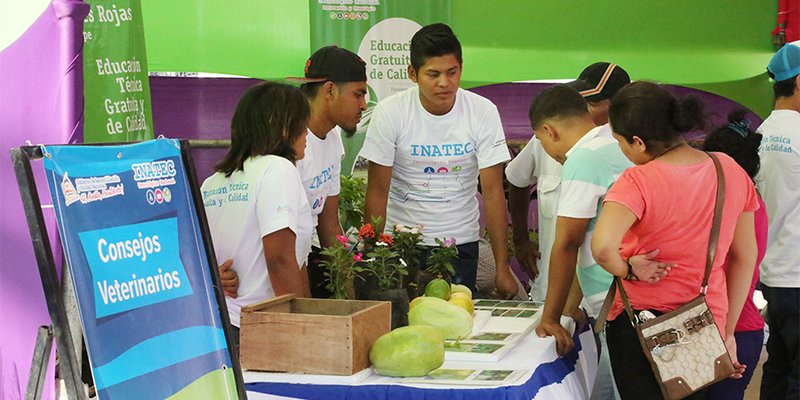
778, 181
335, 84
428, 147
597, 83
255, 202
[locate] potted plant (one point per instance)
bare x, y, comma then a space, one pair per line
342, 266
351, 201
439, 263
408, 244
382, 271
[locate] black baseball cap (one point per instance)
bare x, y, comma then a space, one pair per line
600, 81
332, 63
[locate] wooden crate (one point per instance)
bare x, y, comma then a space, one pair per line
311, 336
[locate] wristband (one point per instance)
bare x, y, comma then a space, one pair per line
631, 276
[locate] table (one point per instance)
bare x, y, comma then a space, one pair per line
550, 377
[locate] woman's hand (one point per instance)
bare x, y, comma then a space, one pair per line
647, 269
730, 344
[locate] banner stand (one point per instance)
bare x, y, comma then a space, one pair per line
70, 369
41, 356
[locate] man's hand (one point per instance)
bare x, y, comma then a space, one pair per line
526, 253
550, 327
647, 269
779, 39
730, 344
505, 284
229, 279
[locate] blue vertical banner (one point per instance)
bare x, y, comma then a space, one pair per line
136, 254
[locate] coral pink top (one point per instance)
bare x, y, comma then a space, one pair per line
674, 206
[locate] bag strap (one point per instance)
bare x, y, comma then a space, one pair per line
710, 255
716, 223
601, 318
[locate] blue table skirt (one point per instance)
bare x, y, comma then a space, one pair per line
545, 374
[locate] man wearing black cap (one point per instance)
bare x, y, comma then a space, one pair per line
335, 84
597, 83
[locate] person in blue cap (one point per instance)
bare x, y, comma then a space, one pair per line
779, 184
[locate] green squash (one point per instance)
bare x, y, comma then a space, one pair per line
452, 321
408, 351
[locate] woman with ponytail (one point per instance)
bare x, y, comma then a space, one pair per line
666, 203
737, 140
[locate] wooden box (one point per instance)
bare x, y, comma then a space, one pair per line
311, 336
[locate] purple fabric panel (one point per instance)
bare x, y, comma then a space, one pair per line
514, 99
196, 108
41, 100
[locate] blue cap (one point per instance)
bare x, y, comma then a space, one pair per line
785, 64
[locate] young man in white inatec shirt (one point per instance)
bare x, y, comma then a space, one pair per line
429, 146
335, 84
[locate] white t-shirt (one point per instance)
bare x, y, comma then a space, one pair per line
320, 171
435, 161
532, 164
778, 181
265, 197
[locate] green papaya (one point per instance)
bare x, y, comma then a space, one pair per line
408, 351
451, 320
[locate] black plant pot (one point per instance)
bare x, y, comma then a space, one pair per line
367, 289
364, 283
411, 282
399, 300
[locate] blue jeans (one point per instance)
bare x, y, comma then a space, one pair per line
781, 379
748, 350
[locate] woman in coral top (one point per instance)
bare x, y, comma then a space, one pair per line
666, 203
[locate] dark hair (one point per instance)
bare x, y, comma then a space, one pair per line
784, 88
649, 111
737, 140
269, 118
312, 89
557, 101
434, 40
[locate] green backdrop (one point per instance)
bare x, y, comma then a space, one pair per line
721, 46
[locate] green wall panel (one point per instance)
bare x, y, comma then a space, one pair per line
257, 38
711, 44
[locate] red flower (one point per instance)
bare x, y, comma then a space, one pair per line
358, 257
385, 239
366, 231
343, 240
